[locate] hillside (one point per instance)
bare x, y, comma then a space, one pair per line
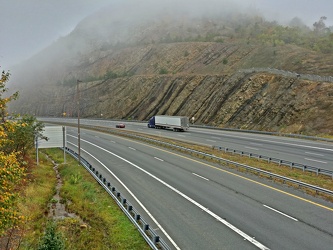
182, 66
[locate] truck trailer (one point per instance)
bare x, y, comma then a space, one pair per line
176, 123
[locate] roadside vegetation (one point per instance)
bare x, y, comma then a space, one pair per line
91, 220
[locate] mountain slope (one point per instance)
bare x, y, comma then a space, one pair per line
180, 66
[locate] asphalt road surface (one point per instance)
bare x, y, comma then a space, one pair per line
194, 204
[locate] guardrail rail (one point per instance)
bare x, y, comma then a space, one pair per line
151, 237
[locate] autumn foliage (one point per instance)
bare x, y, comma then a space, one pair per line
16, 139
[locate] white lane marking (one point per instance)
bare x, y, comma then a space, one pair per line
290, 217
200, 176
96, 136
310, 153
210, 140
132, 148
276, 142
129, 191
158, 159
215, 137
315, 160
181, 135
223, 221
252, 148
113, 141
257, 144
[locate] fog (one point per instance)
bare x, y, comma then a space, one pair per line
27, 26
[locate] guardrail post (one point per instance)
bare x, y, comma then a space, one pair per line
146, 227
156, 239
137, 217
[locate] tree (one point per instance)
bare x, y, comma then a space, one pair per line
21, 136
3, 90
11, 169
320, 25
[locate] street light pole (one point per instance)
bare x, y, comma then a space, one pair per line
78, 119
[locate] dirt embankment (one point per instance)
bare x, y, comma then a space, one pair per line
201, 79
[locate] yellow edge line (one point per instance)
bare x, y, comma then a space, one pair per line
225, 171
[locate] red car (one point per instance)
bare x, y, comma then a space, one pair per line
120, 125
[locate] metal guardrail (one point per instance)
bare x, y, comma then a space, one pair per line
219, 159
278, 161
282, 178
150, 236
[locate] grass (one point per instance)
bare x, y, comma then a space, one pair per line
107, 226
33, 202
100, 223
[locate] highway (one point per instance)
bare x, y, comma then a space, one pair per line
194, 204
307, 152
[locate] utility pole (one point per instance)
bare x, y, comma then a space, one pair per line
78, 119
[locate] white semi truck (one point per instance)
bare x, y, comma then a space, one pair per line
176, 123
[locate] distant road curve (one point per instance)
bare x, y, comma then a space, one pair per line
316, 78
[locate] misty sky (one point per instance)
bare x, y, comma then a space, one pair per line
27, 26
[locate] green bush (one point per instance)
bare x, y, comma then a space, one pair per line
163, 71
51, 240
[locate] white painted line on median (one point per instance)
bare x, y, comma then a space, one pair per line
279, 142
315, 160
257, 144
252, 148
132, 148
158, 159
310, 153
280, 212
210, 140
223, 221
200, 176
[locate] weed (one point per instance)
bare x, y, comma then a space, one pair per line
75, 178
